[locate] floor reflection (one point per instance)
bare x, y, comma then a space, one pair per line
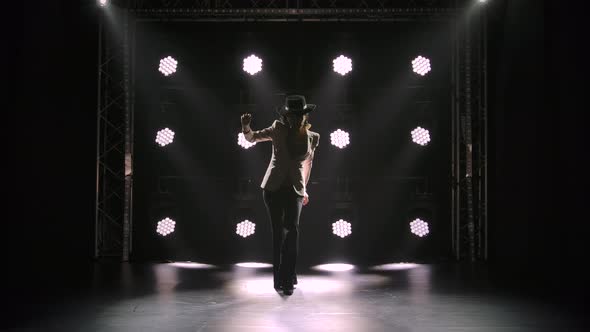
195, 297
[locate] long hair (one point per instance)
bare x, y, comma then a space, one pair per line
306, 123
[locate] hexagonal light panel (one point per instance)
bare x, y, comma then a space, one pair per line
245, 228
243, 142
252, 64
421, 65
420, 136
340, 138
164, 137
419, 227
168, 66
165, 226
342, 65
342, 228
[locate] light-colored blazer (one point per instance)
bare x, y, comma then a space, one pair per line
281, 164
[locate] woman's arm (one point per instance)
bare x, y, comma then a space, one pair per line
307, 170
308, 163
252, 136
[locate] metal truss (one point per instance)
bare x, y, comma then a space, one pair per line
287, 4
115, 102
113, 171
469, 212
297, 10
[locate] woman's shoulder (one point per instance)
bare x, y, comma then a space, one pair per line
278, 124
314, 134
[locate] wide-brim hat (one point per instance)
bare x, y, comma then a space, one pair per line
296, 104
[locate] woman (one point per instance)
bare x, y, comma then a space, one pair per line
284, 187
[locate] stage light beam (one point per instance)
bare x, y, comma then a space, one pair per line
102, 3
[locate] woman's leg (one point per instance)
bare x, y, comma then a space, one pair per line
275, 209
293, 206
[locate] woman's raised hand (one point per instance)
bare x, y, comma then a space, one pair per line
246, 118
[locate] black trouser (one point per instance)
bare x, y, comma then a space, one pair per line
284, 208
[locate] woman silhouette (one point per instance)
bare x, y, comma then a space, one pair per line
284, 187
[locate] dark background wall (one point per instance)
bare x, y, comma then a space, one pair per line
522, 154
55, 122
538, 178
385, 100
538, 172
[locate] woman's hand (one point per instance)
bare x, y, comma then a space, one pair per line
305, 199
246, 118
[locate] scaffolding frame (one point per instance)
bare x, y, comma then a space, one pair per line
115, 105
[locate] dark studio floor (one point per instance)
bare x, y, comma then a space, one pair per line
166, 297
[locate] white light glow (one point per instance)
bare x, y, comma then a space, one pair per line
254, 286
245, 228
243, 142
419, 227
164, 137
340, 138
191, 265
420, 136
254, 265
342, 65
252, 64
395, 266
165, 226
421, 65
337, 267
168, 66
102, 3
